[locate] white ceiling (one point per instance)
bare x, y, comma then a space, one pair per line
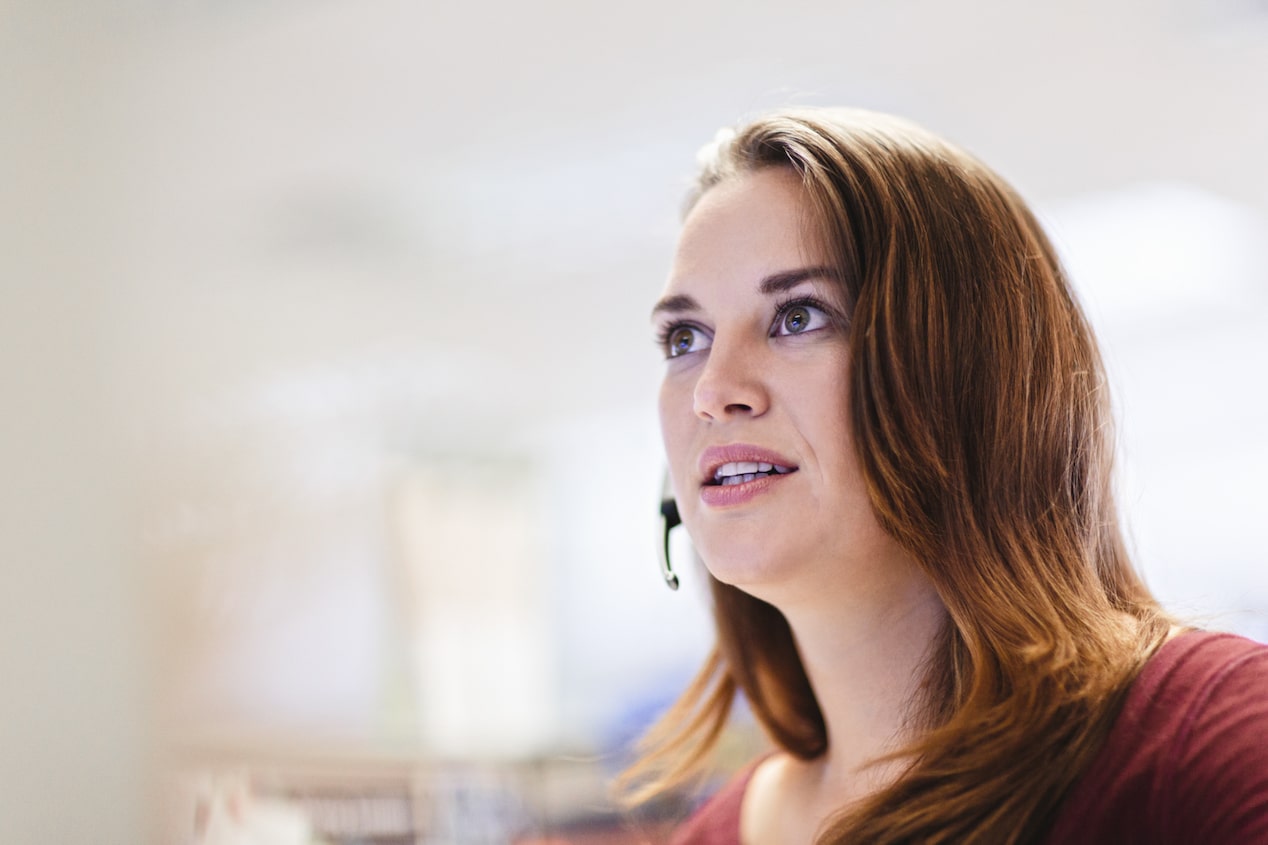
457, 215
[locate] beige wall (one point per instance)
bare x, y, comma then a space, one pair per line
72, 681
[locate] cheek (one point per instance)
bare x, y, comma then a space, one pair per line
665, 403
824, 415
675, 422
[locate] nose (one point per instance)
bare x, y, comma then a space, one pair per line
730, 385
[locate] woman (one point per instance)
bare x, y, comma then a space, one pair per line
888, 435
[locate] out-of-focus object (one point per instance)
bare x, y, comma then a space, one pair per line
230, 814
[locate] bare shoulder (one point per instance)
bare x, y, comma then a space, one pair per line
761, 799
773, 799
788, 800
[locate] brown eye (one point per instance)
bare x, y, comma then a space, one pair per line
800, 318
796, 320
681, 340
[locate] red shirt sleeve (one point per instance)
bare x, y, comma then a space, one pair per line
1216, 782
717, 820
1187, 758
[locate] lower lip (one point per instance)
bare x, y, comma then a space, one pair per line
730, 495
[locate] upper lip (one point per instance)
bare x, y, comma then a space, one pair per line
715, 457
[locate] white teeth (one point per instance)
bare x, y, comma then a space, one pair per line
738, 472
738, 479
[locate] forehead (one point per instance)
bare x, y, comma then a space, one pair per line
744, 229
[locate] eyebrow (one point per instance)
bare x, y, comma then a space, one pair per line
774, 283
780, 282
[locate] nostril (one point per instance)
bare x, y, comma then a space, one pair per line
727, 388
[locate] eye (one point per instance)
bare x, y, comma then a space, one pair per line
799, 318
682, 339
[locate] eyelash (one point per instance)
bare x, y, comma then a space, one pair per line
667, 331
781, 308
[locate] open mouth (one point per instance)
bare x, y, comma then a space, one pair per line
738, 472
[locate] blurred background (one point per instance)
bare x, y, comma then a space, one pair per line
328, 451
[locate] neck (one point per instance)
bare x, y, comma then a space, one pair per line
865, 657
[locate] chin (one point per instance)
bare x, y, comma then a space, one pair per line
752, 570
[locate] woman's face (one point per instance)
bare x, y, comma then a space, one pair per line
753, 406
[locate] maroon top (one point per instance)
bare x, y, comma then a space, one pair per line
1186, 761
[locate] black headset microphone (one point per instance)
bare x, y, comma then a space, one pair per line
669, 520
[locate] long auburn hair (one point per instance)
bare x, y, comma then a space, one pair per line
982, 424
